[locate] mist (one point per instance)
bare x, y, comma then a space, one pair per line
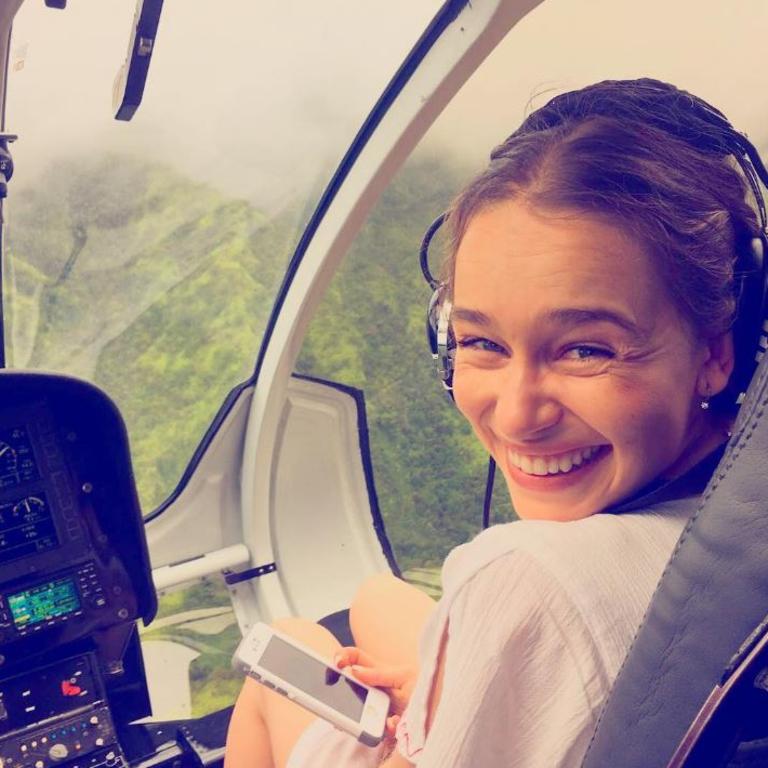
262, 99
255, 97
713, 49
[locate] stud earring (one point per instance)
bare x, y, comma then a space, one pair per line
704, 404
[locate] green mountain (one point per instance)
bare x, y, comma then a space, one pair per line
158, 289
370, 332
153, 287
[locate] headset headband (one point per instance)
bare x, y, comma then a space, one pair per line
662, 106
679, 114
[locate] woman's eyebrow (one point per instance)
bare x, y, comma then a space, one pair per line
470, 316
575, 316
570, 316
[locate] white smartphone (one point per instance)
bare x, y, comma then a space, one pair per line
296, 671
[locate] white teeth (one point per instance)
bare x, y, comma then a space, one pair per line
565, 464
552, 465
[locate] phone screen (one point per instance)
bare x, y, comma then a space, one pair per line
313, 677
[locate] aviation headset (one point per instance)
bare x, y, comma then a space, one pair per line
689, 119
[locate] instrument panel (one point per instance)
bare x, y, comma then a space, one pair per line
56, 714
26, 527
26, 524
59, 574
74, 576
17, 461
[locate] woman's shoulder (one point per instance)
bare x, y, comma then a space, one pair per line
602, 569
600, 540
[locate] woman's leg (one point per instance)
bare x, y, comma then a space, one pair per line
265, 726
387, 616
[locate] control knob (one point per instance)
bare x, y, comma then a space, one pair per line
58, 751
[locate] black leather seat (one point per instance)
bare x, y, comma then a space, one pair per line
713, 593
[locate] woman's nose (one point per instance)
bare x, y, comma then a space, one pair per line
526, 404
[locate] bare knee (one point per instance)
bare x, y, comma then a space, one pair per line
376, 587
309, 633
384, 591
387, 616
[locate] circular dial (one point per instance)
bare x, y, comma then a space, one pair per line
30, 505
9, 461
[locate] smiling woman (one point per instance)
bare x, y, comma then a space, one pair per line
586, 313
582, 380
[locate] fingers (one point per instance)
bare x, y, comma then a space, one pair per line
349, 656
380, 677
396, 681
391, 725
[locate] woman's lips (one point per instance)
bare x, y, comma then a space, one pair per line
569, 468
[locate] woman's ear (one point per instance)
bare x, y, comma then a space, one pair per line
717, 366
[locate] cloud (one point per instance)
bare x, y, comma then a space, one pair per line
254, 97
262, 99
710, 48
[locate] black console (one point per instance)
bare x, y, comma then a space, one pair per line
60, 576
74, 576
58, 714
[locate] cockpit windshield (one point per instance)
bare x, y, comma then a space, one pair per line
145, 256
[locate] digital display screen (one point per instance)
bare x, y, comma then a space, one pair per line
26, 527
43, 602
45, 693
17, 462
315, 678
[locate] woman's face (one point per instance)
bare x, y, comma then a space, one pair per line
573, 365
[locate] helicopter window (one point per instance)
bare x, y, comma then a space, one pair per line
188, 650
369, 333
145, 257
369, 330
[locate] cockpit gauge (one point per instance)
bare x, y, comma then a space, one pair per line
9, 461
26, 527
17, 461
29, 508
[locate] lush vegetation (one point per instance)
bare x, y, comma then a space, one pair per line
158, 288
152, 286
370, 333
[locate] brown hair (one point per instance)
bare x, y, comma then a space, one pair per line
616, 160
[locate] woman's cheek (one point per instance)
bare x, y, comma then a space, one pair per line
467, 392
474, 405
461, 395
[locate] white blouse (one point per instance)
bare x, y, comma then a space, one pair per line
539, 616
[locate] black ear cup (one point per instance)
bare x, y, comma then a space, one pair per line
749, 329
440, 337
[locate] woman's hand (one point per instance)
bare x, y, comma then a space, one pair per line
397, 682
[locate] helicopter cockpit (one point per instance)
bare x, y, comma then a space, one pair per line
75, 576
218, 406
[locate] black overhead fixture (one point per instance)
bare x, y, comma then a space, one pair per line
132, 77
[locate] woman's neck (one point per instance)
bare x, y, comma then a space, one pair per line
712, 430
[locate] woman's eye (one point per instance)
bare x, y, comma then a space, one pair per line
587, 353
480, 344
